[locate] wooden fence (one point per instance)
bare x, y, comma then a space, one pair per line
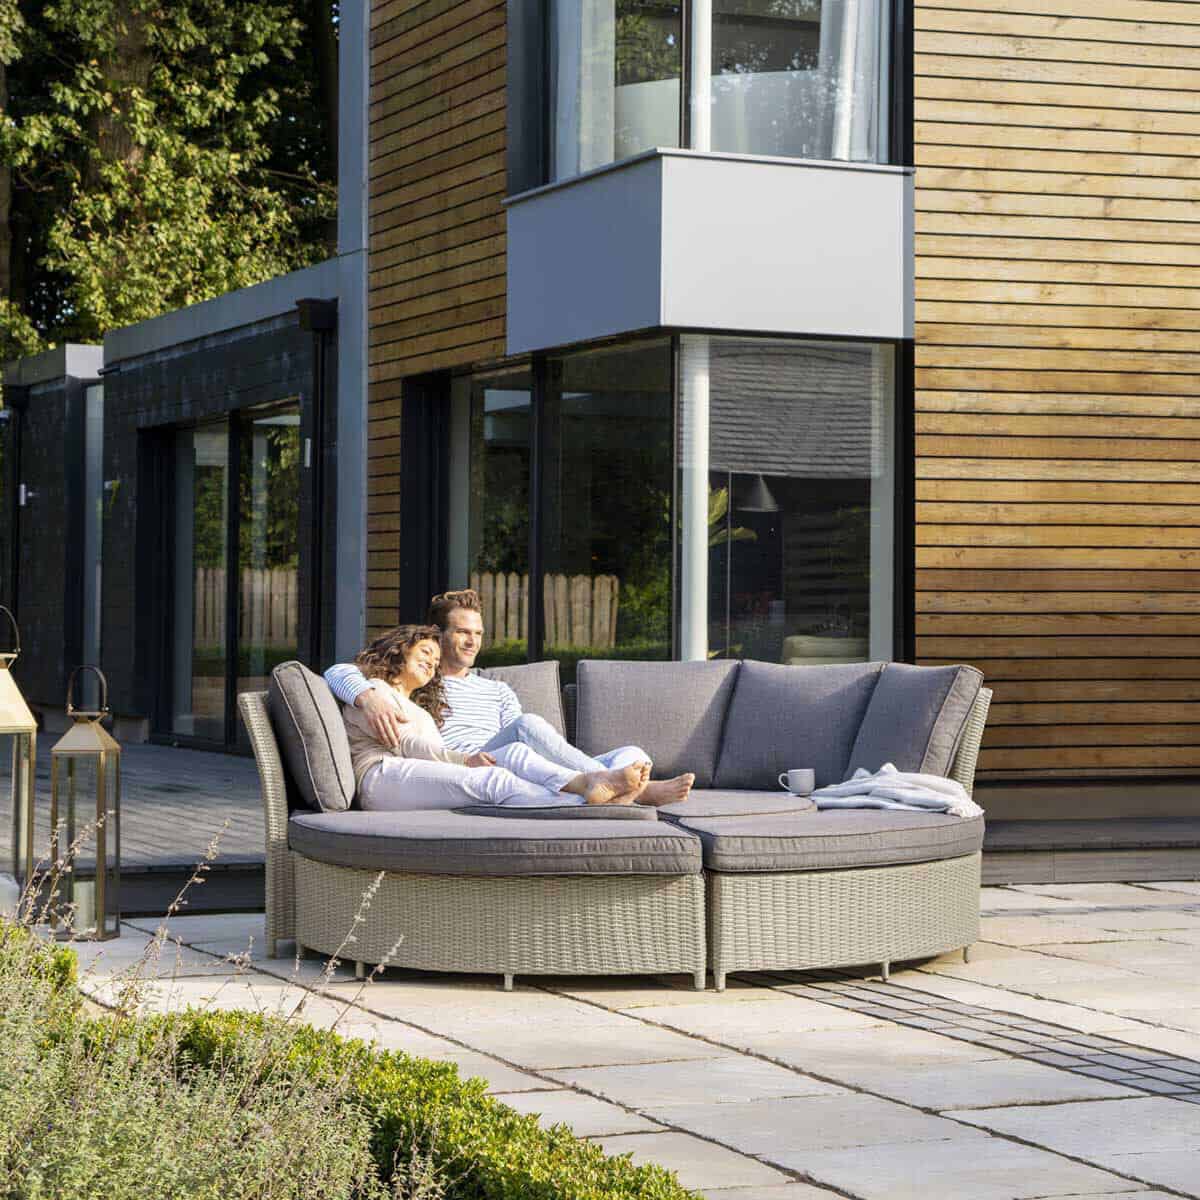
268, 611
581, 610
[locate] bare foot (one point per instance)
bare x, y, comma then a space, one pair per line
668, 791
614, 787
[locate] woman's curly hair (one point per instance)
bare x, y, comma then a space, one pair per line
384, 659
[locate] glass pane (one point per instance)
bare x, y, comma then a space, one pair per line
268, 539
800, 78
614, 81
606, 520
800, 500
201, 521
7, 487
489, 541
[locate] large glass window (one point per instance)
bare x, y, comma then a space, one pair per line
793, 78
489, 533
614, 81
787, 493
798, 78
606, 504
269, 546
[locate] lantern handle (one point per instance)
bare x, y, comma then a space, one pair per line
103, 709
16, 650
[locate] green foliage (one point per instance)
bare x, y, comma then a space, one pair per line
235, 1106
147, 167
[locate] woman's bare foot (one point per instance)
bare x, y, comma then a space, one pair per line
667, 791
623, 786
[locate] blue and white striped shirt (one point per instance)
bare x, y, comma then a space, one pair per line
479, 707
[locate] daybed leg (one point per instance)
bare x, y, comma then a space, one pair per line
360, 970
718, 980
698, 980
966, 954
885, 971
508, 981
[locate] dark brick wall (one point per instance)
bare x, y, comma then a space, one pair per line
145, 399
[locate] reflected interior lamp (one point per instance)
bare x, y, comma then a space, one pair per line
18, 724
757, 497
89, 759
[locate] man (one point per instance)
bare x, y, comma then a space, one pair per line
485, 714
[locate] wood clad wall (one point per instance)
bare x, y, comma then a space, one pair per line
1058, 374
437, 176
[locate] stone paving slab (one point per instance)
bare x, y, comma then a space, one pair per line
586, 1116
786, 1191
698, 1163
733, 1080
978, 1170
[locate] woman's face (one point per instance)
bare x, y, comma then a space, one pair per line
421, 662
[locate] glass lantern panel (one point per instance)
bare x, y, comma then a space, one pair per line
16, 796
88, 823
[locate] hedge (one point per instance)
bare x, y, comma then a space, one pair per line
487, 1150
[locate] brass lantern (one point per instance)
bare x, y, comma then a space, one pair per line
18, 724
90, 759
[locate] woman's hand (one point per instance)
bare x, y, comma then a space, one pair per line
480, 759
385, 719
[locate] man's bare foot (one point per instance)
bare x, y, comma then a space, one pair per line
614, 787
668, 791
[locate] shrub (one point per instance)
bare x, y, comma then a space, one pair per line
238, 1105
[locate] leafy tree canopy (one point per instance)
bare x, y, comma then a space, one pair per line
155, 153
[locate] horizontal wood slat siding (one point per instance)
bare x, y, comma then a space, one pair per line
436, 261
1058, 375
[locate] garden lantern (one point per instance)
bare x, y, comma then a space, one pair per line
85, 767
17, 725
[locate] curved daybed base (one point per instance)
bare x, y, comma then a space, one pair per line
616, 924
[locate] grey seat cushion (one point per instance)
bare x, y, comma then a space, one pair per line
672, 710
916, 718
782, 717
719, 802
537, 688
450, 843
312, 737
820, 841
562, 812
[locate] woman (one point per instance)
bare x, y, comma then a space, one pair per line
422, 773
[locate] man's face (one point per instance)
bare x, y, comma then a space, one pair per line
462, 638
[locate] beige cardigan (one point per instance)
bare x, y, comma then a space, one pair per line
419, 737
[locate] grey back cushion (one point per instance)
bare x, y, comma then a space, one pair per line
916, 718
783, 717
537, 688
312, 737
672, 710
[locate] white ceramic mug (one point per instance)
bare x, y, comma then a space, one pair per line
800, 781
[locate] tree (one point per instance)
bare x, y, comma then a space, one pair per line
156, 158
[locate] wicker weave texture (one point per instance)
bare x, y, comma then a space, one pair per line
963, 767
808, 919
280, 881
541, 925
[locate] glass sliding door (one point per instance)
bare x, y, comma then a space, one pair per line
489, 520
797, 524
268, 545
606, 503
199, 641
235, 611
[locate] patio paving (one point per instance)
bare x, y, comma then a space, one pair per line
1062, 1061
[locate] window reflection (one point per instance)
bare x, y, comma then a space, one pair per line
606, 516
489, 533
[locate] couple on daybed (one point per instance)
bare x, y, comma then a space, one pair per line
426, 732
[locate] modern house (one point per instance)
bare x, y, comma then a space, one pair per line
801, 330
